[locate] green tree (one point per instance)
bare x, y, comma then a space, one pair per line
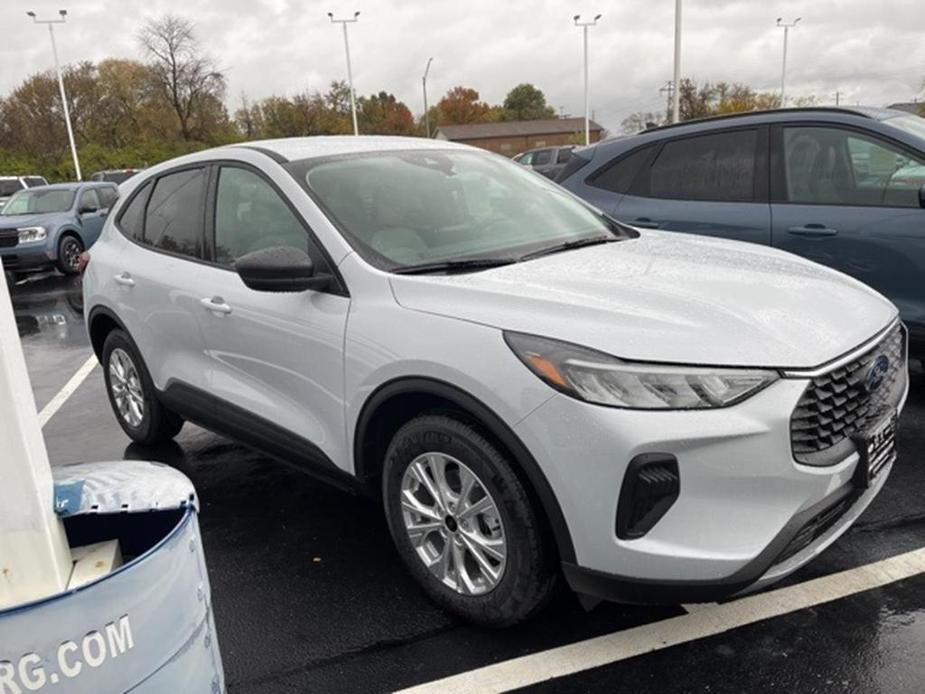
526, 102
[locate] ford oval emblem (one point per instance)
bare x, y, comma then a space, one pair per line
876, 373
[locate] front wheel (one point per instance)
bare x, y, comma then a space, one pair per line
464, 524
132, 395
69, 250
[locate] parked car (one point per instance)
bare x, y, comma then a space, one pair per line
116, 176
529, 386
837, 186
12, 184
548, 161
50, 226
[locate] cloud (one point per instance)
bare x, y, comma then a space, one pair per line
871, 52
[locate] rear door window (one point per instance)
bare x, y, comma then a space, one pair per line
718, 167
563, 156
542, 157
619, 175
174, 218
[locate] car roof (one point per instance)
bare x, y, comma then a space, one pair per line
870, 112
74, 185
294, 148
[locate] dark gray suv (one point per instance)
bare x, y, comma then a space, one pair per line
842, 187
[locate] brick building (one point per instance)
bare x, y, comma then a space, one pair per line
512, 137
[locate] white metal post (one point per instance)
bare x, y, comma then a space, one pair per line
584, 26
67, 111
35, 560
783, 69
676, 94
353, 105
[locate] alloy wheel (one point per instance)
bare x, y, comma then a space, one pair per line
453, 524
125, 386
70, 252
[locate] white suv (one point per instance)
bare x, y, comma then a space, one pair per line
532, 388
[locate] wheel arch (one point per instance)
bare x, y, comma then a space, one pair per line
400, 400
100, 322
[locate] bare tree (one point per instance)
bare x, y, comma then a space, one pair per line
190, 81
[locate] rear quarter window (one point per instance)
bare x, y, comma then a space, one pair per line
132, 218
618, 176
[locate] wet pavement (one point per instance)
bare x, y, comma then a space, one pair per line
310, 596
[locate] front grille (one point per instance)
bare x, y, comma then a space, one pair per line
837, 405
8, 238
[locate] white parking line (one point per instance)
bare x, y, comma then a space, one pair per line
67, 391
612, 648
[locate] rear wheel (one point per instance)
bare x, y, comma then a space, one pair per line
463, 523
69, 250
132, 395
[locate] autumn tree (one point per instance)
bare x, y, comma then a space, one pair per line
462, 105
526, 102
383, 114
186, 77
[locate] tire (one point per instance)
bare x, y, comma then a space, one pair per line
69, 249
140, 414
515, 586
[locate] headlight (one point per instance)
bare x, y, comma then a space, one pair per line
30, 234
599, 378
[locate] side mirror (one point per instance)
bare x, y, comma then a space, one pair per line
280, 269
87, 209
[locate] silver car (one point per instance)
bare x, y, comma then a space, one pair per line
533, 389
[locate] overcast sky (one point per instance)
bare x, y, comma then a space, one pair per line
871, 50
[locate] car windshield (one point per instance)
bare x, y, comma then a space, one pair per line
914, 125
38, 201
409, 208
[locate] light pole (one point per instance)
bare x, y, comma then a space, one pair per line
584, 26
353, 104
783, 70
676, 92
424, 84
54, 49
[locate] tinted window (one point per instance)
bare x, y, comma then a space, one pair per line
34, 181
619, 176
10, 186
564, 156
89, 199
107, 196
544, 156
131, 221
719, 167
174, 218
830, 166
250, 215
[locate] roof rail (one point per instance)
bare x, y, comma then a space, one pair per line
741, 114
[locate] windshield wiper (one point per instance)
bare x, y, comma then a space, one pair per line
567, 246
454, 266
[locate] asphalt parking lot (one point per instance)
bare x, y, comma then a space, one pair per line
310, 596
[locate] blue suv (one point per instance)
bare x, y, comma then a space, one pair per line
50, 226
842, 187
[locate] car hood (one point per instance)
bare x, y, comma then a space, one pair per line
668, 298
15, 221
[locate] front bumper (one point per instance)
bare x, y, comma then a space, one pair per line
22, 258
743, 498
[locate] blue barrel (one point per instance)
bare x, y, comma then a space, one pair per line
145, 627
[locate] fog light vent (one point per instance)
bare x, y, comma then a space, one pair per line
651, 485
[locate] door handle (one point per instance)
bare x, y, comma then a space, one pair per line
216, 304
812, 231
645, 223
125, 279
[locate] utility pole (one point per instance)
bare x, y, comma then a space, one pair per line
67, 113
424, 84
783, 70
837, 98
584, 26
353, 104
676, 90
669, 108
